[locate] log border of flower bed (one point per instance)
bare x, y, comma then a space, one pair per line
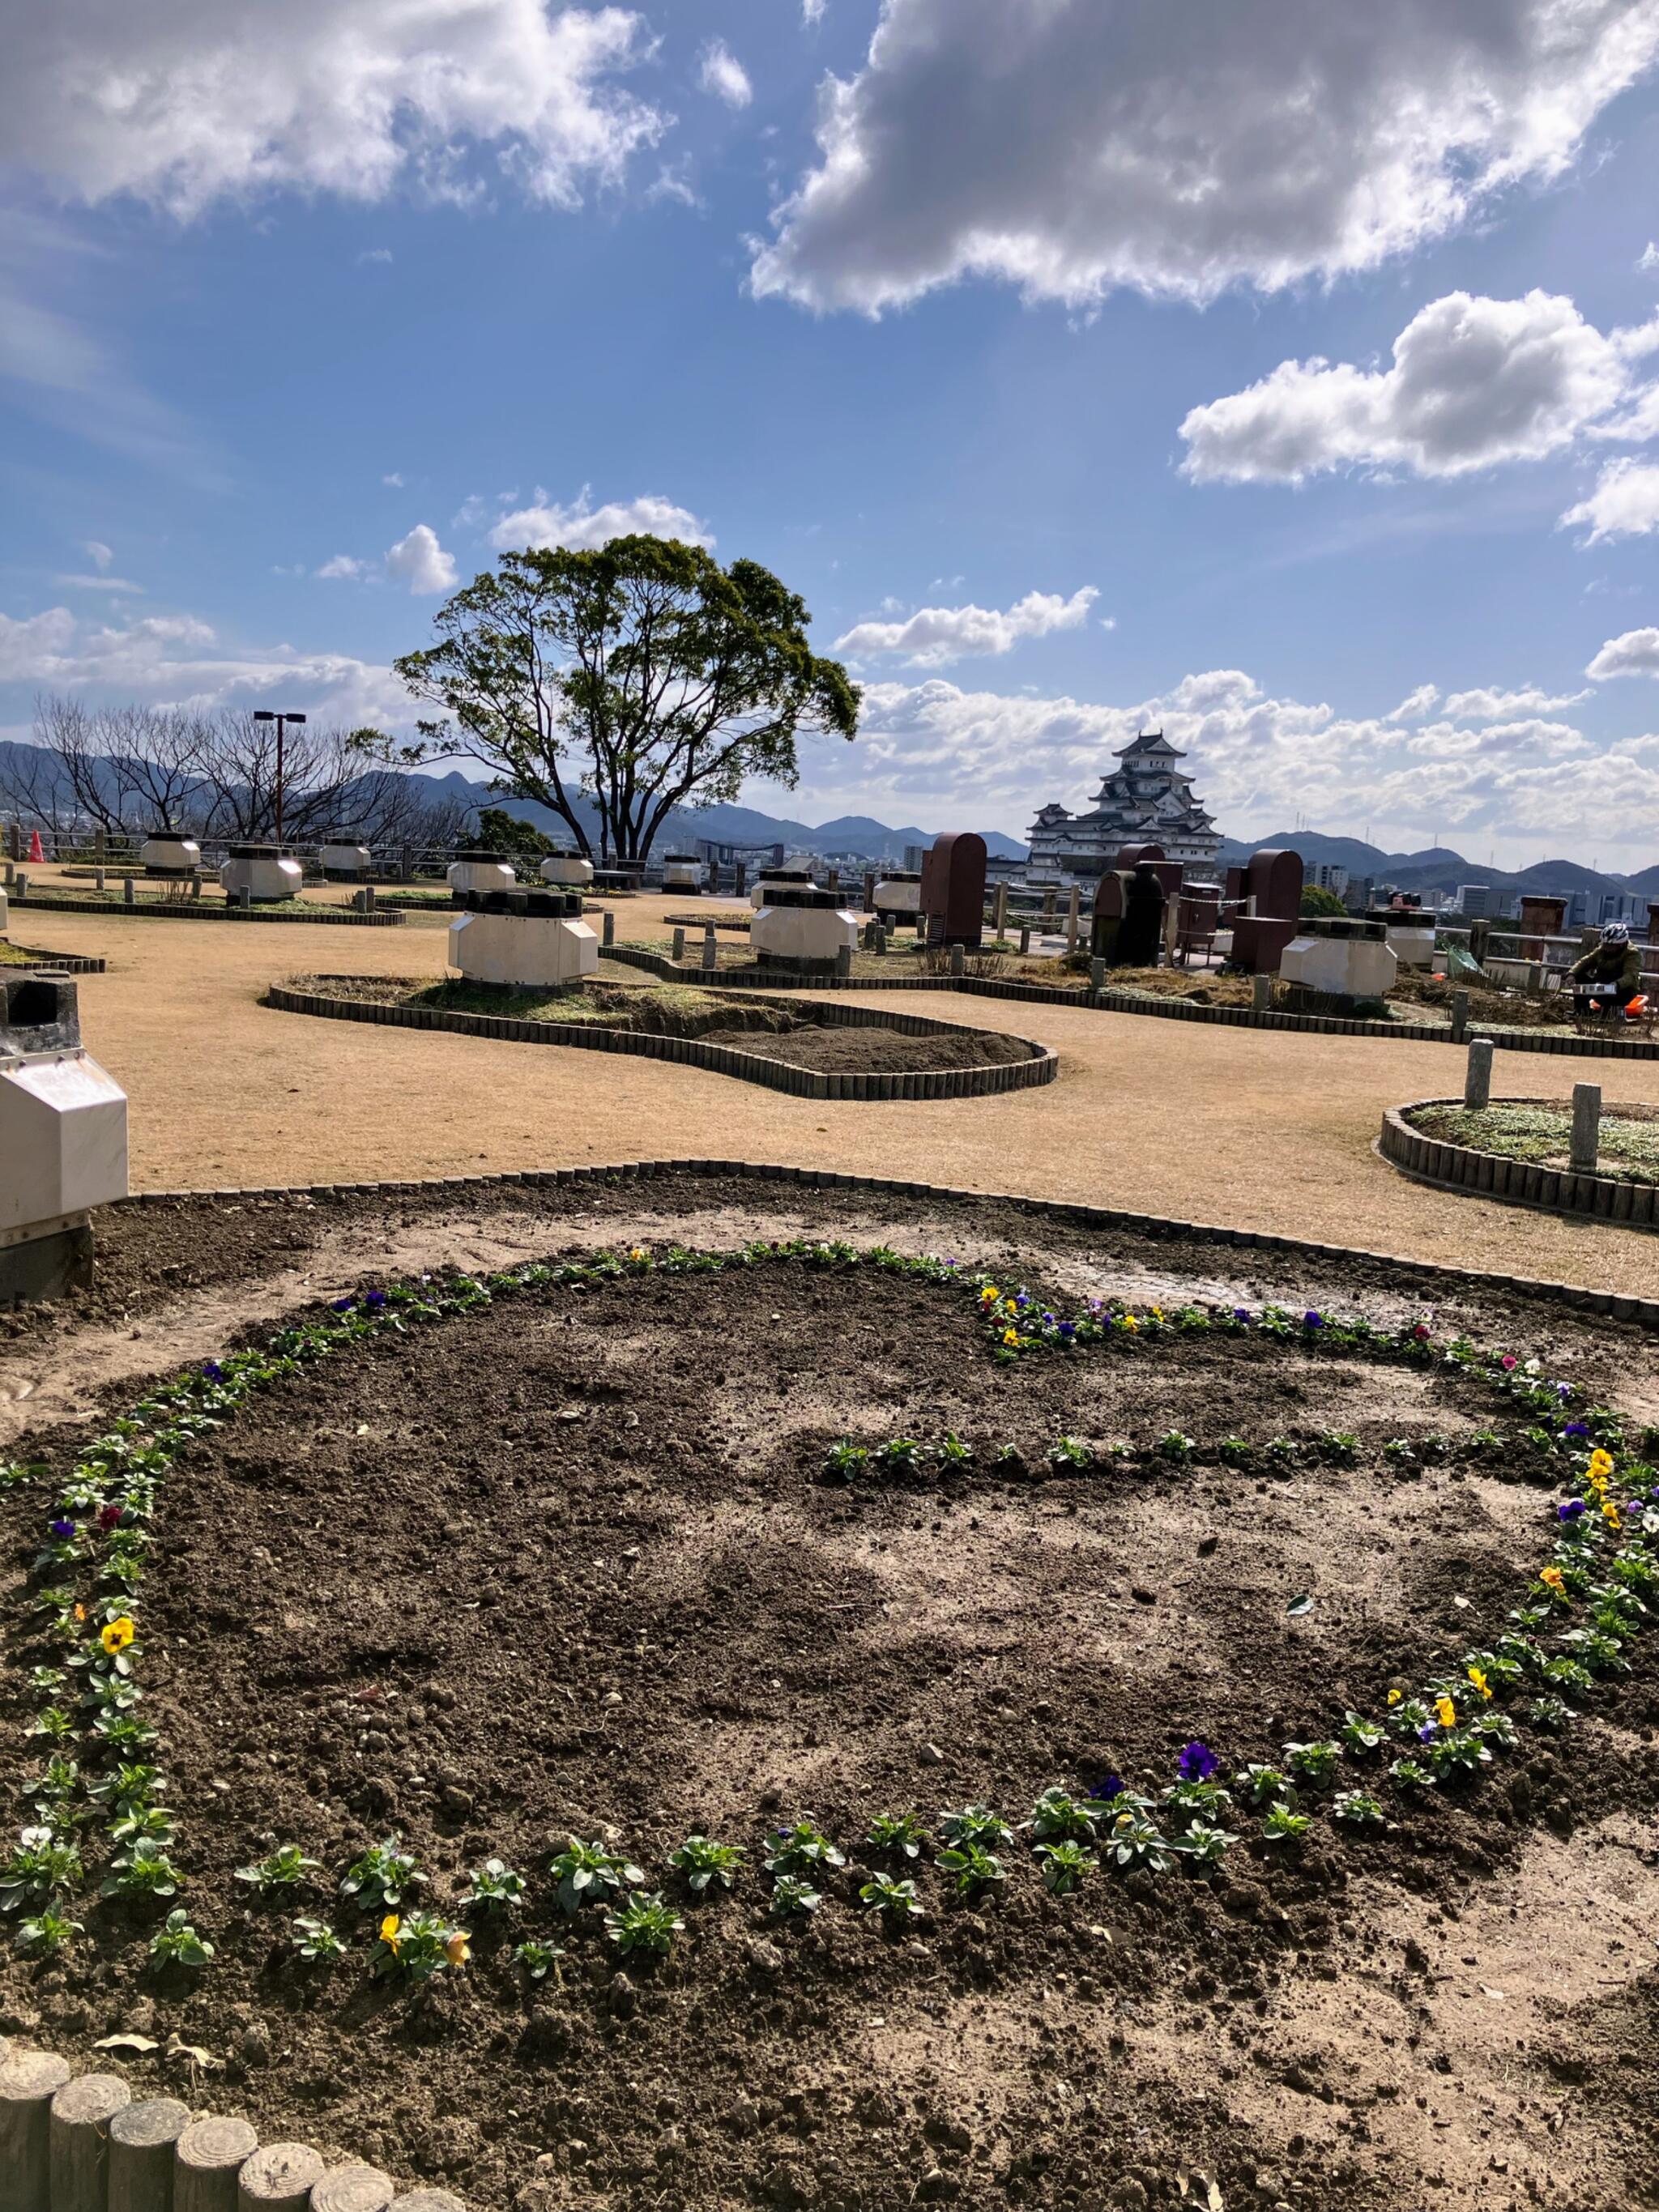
1139, 1002
1473, 1173
205, 910
1042, 1065
67, 964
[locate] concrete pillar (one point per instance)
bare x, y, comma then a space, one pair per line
679, 945
1072, 919
833, 883
869, 890
1261, 993
958, 964
1586, 1126
1025, 941
1460, 1016
22, 887
608, 930
999, 912
129, 890
99, 875
1097, 975
1477, 1080
710, 952
740, 869
244, 898
843, 960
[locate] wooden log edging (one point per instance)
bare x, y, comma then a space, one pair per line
68, 964
206, 910
1040, 1065
1074, 1213
1476, 1173
1136, 1002
84, 2143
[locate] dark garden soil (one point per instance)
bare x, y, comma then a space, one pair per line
571, 1565
795, 1032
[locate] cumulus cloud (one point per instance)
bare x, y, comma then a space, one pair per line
1624, 504
1490, 705
724, 77
1473, 382
184, 102
1415, 704
1635, 654
164, 660
933, 637
581, 525
345, 565
934, 748
811, 11
421, 561
1069, 149
98, 553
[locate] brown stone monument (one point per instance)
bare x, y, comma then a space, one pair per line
953, 889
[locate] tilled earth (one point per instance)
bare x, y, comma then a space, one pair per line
570, 1565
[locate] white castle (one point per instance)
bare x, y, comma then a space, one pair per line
1144, 801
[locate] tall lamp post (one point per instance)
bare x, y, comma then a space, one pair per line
264, 715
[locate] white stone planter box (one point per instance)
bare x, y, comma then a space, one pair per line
682, 875
568, 870
63, 1138
1341, 967
1412, 944
803, 934
481, 876
902, 896
170, 856
342, 862
263, 876
527, 951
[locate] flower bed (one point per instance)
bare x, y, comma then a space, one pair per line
1515, 1151
560, 1677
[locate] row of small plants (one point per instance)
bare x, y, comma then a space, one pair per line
910, 1458
100, 1782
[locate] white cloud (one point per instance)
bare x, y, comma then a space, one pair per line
724, 77
581, 525
1635, 654
99, 583
1648, 259
1415, 704
1069, 149
1489, 705
933, 637
421, 561
183, 102
382, 254
98, 553
1624, 504
344, 566
394, 480
1473, 382
811, 11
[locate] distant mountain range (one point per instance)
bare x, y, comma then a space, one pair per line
1438, 868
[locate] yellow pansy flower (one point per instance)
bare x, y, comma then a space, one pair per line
1598, 1483
1600, 1461
1551, 1577
1011, 1336
116, 1635
458, 1949
1477, 1676
1445, 1712
639, 1252
1609, 1513
1129, 1321
989, 1295
1394, 1696
389, 1927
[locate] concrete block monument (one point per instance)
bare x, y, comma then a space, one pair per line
568, 870
801, 931
683, 873
1345, 962
895, 895
63, 1138
953, 889
790, 875
165, 853
1410, 933
479, 871
523, 940
345, 863
265, 874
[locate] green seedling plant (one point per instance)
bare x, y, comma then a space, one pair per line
148, 1825
1258, 1784
792, 1893
589, 1874
493, 1887
1058, 1816
1175, 1446
1339, 1447
845, 1460
128, 1784
1552, 1714
1457, 1751
703, 1863
970, 1867
645, 1923
903, 1833
976, 1824
125, 1732
1358, 1809
1064, 1865
537, 1960
953, 1452
416, 1947
139, 1874
1070, 1452
1194, 1801
53, 1724
1205, 1844
287, 1868
1313, 1762
802, 1850
1412, 1774
47, 1932
47, 1681
897, 1901
56, 1784
40, 1867
175, 1942
1285, 1825
317, 1943
1134, 1841
382, 1877
1360, 1737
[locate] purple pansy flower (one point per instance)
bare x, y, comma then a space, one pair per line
1242, 1313
1312, 1320
1068, 1329
1197, 1762
1571, 1511
375, 1300
341, 1305
1108, 1787
62, 1527
1577, 1429
1427, 1735
212, 1370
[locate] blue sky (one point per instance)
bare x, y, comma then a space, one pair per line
1018, 397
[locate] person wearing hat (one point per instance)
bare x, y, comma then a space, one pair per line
1611, 971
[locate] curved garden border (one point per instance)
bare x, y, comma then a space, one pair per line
211, 910
68, 964
1041, 1067
1135, 1002
1465, 1168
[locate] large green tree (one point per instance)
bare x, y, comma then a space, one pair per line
641, 676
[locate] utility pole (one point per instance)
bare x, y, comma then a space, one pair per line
264, 715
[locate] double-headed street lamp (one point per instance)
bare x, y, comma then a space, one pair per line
264, 715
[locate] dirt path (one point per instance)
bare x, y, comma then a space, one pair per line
1262, 1130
